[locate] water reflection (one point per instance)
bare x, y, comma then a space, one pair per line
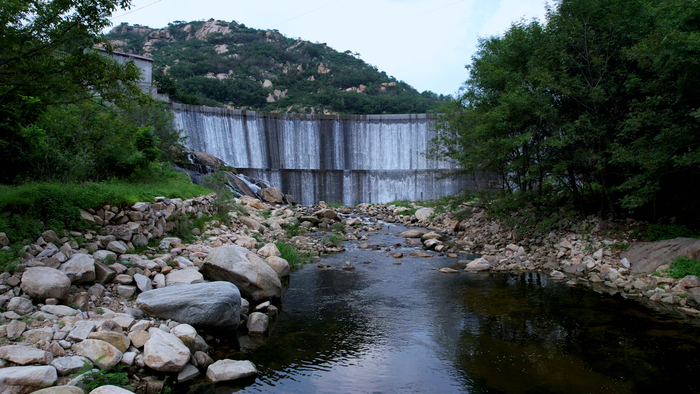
386, 328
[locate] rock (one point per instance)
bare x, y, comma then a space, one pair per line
139, 240
576, 269
126, 291
128, 358
420, 254
164, 352
139, 338
59, 310
690, 281
24, 380
190, 372
423, 214
60, 390
226, 370
104, 274
99, 352
430, 235
4, 241
279, 265
646, 257
122, 320
105, 256
413, 233
120, 341
49, 236
81, 330
251, 223
203, 359
625, 263
143, 282
186, 333
110, 390
246, 270
41, 283
257, 324
69, 365
448, 270
183, 277
20, 305
268, 250
80, 268
557, 275
23, 355
39, 335
272, 195
431, 243
215, 305
123, 279
15, 329
117, 247
480, 264
347, 266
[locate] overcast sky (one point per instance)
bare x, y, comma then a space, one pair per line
425, 43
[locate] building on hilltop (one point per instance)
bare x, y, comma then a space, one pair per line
145, 64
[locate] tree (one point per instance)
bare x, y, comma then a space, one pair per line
48, 57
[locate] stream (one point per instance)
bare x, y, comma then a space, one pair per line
407, 328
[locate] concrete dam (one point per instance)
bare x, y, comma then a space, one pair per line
349, 159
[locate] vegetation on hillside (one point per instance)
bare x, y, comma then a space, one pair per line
221, 63
592, 112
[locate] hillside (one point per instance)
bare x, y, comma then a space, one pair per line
228, 64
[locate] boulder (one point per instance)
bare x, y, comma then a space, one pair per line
143, 282
646, 257
20, 305
225, 370
246, 270
80, 268
423, 214
41, 283
280, 265
257, 324
272, 195
205, 159
413, 233
60, 390
183, 277
165, 352
480, 264
186, 333
120, 341
215, 305
190, 372
99, 352
69, 365
24, 355
251, 223
24, 380
269, 250
110, 390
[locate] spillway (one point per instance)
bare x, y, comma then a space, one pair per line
349, 159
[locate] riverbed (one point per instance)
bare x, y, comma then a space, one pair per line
400, 326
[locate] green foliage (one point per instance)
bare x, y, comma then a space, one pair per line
10, 260
683, 266
660, 232
293, 230
32, 208
291, 254
593, 107
116, 376
339, 227
293, 66
335, 239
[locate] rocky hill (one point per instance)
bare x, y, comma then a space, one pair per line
228, 64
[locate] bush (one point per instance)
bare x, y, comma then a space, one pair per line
289, 253
660, 232
684, 266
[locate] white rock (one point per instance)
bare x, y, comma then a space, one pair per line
99, 352
268, 250
190, 372
80, 268
21, 380
59, 310
186, 333
183, 277
44, 282
165, 352
110, 390
69, 365
81, 330
225, 370
23, 355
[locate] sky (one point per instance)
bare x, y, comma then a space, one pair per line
425, 43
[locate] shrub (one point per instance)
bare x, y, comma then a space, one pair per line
683, 266
289, 253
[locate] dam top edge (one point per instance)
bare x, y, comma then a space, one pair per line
237, 112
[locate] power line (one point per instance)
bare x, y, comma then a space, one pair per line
300, 15
134, 10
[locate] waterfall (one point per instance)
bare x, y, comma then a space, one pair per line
334, 158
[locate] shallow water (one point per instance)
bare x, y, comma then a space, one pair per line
387, 328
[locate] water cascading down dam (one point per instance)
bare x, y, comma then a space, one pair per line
349, 159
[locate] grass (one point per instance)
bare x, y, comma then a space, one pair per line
32, 208
116, 376
683, 266
292, 255
335, 239
335, 205
660, 232
293, 230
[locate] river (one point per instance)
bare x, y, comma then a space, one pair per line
407, 328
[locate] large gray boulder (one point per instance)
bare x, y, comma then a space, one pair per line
80, 268
103, 354
41, 283
214, 305
24, 380
646, 257
225, 370
23, 355
244, 269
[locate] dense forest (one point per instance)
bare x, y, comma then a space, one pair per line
228, 64
594, 111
